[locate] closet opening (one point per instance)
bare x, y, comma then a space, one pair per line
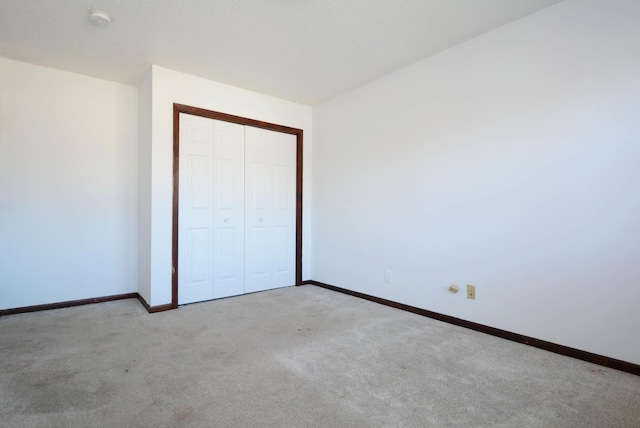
254, 132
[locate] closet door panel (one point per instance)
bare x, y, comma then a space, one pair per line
284, 223
258, 194
228, 212
195, 210
270, 160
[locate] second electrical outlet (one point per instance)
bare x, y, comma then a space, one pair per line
471, 292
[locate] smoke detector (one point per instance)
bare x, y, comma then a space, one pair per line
99, 17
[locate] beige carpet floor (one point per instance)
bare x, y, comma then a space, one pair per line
293, 357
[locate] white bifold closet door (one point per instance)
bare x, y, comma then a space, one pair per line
270, 209
236, 209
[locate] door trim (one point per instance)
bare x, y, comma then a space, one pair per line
210, 114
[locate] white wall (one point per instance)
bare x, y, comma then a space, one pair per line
68, 186
511, 162
170, 87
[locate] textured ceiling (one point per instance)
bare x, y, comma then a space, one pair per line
302, 50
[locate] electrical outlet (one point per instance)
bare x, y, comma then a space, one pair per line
471, 292
388, 276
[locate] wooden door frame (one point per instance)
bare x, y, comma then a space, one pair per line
210, 114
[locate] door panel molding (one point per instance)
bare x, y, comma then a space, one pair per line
210, 114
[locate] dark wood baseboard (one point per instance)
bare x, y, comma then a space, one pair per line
71, 303
504, 334
153, 309
67, 304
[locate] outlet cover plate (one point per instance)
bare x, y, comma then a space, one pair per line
471, 292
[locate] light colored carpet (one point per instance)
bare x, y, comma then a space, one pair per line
293, 357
